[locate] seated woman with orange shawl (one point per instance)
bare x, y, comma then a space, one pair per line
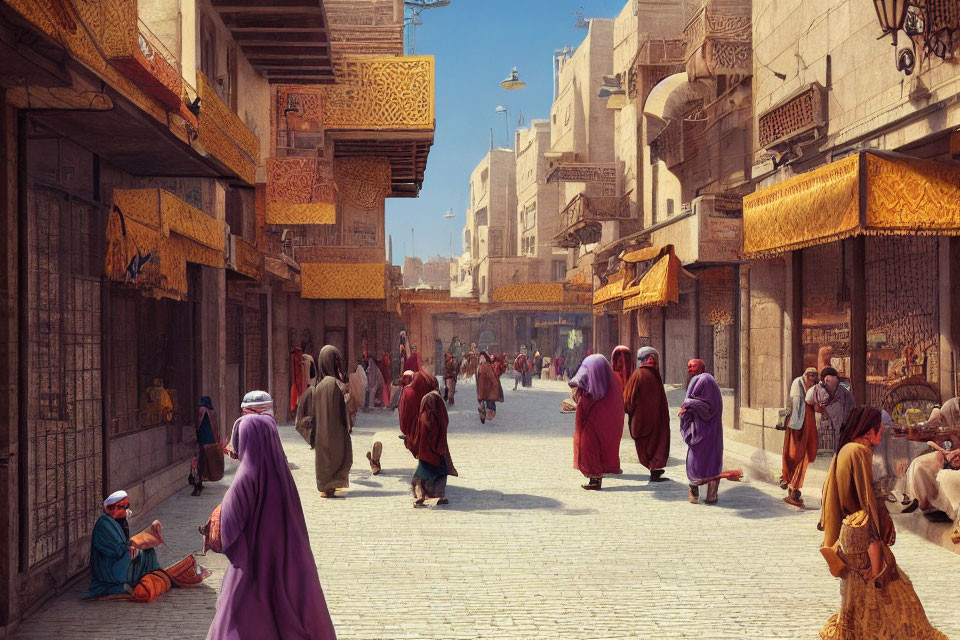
428, 444
877, 598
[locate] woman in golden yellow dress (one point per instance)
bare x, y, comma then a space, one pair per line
877, 599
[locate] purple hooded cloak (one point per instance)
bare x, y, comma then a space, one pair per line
702, 428
593, 376
271, 588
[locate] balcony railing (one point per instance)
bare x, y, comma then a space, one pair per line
584, 208
661, 51
718, 39
580, 219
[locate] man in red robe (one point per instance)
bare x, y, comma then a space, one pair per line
413, 362
645, 401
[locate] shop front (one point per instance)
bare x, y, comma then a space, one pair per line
870, 285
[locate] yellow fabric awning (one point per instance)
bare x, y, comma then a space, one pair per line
611, 291
152, 235
543, 292
343, 281
642, 255
657, 288
866, 193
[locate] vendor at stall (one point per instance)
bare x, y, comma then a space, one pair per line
932, 480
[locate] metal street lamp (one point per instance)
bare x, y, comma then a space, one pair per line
891, 14
513, 82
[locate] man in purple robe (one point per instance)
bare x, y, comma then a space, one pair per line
271, 588
701, 425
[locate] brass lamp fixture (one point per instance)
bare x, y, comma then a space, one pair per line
514, 82
892, 14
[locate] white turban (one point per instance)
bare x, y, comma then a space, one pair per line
258, 402
114, 498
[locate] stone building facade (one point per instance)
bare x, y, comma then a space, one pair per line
170, 216
865, 281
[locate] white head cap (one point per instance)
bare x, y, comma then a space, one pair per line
114, 498
258, 402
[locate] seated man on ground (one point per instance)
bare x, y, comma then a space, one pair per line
121, 566
923, 484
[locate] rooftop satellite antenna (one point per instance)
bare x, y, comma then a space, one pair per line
412, 17
581, 23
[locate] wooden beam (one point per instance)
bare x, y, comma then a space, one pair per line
267, 10
252, 58
282, 48
272, 37
275, 67
260, 29
292, 64
299, 79
218, 4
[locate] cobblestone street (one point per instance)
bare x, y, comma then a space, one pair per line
522, 552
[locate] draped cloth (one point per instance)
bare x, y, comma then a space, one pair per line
298, 380
413, 362
488, 383
800, 437
599, 419
271, 588
375, 380
645, 401
384, 365
110, 564
882, 608
622, 362
421, 384
323, 422
701, 427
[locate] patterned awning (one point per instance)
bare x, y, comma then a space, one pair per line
543, 292
657, 288
611, 291
866, 193
343, 281
152, 235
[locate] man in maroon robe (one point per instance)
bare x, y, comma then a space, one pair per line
645, 401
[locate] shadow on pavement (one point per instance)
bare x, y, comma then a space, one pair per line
467, 499
373, 494
751, 503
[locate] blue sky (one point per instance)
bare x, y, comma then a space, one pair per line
476, 43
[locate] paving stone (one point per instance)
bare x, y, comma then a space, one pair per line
523, 552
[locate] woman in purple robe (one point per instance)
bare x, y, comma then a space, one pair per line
701, 425
271, 588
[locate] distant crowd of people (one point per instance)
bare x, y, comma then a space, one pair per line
261, 598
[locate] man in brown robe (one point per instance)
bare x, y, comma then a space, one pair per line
645, 402
489, 391
323, 422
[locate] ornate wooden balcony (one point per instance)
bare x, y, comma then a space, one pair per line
580, 219
719, 39
223, 135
